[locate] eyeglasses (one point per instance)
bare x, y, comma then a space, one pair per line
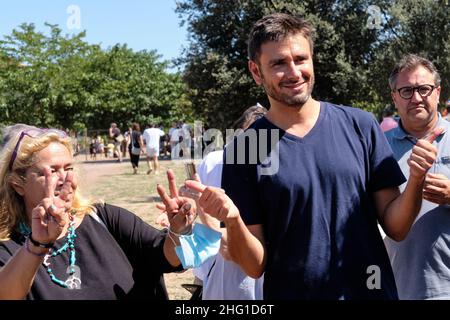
407, 92
32, 133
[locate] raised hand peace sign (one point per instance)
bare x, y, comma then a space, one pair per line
49, 217
213, 201
181, 211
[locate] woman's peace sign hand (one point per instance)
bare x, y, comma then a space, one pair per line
49, 217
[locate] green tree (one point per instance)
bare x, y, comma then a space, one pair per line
57, 81
414, 26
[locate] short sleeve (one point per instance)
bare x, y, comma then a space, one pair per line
385, 171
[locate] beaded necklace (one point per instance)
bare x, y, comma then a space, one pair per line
74, 279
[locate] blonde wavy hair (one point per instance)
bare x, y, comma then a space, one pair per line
12, 206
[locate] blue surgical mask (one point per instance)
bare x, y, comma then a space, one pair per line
197, 247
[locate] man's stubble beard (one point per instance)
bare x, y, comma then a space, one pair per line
291, 101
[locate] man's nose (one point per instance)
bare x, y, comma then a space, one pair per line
294, 71
416, 97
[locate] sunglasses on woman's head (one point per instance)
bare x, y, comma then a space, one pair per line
32, 133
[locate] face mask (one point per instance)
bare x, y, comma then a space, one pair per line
197, 247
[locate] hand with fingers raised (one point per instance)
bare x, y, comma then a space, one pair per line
207, 220
181, 211
49, 217
423, 155
214, 201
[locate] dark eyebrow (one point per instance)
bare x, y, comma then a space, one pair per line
302, 56
276, 61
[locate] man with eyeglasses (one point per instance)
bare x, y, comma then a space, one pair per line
421, 262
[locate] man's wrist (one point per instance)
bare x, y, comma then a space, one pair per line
417, 180
232, 221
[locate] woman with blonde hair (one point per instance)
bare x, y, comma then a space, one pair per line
56, 245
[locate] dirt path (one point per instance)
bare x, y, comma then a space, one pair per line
91, 171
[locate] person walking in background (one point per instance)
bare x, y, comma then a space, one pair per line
100, 146
174, 140
114, 133
124, 146
127, 136
306, 212
187, 138
421, 261
93, 149
152, 137
136, 146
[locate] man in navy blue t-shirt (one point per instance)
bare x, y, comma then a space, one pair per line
309, 182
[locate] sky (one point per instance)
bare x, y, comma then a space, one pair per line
141, 24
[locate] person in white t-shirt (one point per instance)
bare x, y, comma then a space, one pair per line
174, 139
152, 137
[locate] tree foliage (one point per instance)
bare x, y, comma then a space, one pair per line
421, 27
61, 81
352, 61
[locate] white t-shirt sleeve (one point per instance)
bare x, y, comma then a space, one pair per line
146, 136
210, 169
